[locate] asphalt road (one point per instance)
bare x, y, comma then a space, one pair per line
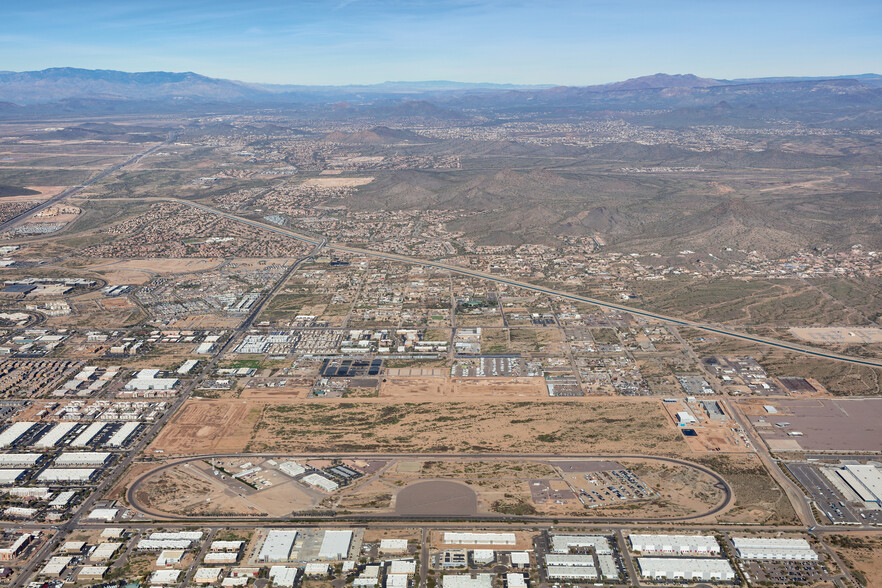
132, 492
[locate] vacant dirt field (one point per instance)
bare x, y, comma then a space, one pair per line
439, 389
209, 426
839, 335
603, 426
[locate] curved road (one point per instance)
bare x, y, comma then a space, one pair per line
804, 349
132, 490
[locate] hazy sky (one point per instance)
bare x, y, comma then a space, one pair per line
368, 41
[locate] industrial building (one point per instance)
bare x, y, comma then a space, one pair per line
74, 475
147, 380
483, 557
714, 410
206, 575
520, 559
10, 477
335, 545
777, 549
865, 480
19, 459
13, 432
292, 468
452, 538
221, 557
571, 572
84, 438
54, 435
393, 545
104, 551
164, 577
282, 576
92, 572
566, 559
82, 458
122, 435
515, 580
563, 543
684, 419
320, 482
675, 544
277, 545
674, 568
464, 581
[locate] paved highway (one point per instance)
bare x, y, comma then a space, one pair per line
804, 349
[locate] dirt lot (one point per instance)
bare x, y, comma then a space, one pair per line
209, 426
839, 335
440, 389
602, 426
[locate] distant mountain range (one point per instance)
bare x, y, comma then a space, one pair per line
67, 83
684, 99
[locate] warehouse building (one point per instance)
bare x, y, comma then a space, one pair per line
226, 545
335, 545
19, 459
221, 557
13, 432
104, 551
684, 419
566, 559
282, 576
464, 581
190, 535
164, 577
10, 477
55, 435
777, 549
82, 458
41, 492
572, 572
320, 482
277, 545
292, 468
563, 543
451, 538
393, 545
674, 568
206, 575
119, 438
520, 559
92, 572
148, 380
74, 475
84, 438
865, 480
158, 544
675, 544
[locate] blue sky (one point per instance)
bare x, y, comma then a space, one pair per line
369, 41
